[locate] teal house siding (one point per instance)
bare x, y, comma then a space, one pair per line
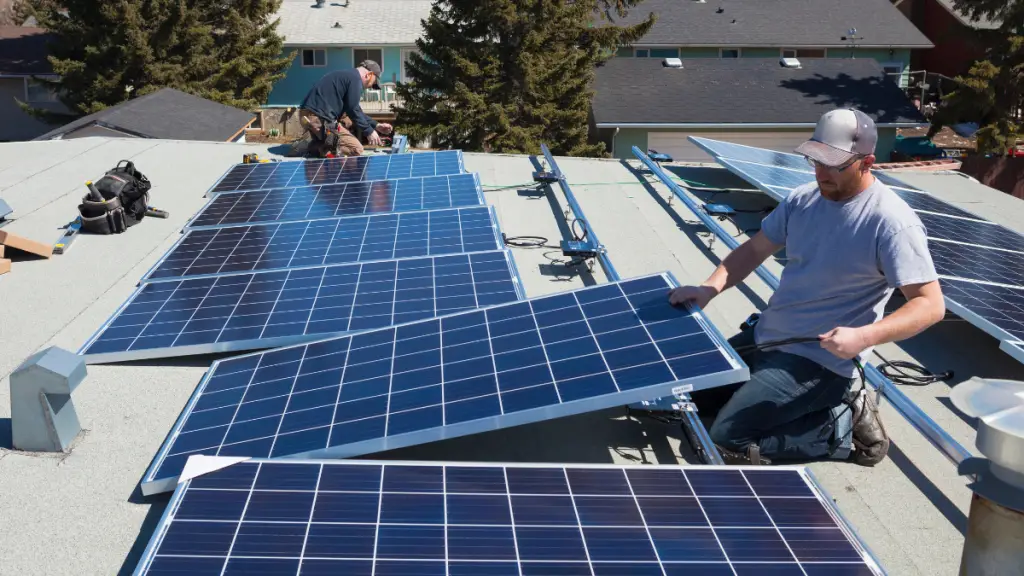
901, 56
625, 139
291, 89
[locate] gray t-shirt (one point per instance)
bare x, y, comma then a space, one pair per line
845, 259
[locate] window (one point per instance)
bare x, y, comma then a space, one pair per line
642, 53
313, 57
38, 92
664, 53
375, 54
405, 59
893, 71
730, 53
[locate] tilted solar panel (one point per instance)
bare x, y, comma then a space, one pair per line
1014, 349
329, 201
985, 234
982, 264
295, 173
396, 518
222, 250
503, 366
998, 310
250, 311
720, 149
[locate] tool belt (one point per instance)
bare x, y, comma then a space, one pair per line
125, 193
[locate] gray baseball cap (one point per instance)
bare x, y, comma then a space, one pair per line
375, 68
840, 136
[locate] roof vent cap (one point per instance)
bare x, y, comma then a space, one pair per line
672, 63
790, 63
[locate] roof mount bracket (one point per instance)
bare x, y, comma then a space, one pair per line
43, 417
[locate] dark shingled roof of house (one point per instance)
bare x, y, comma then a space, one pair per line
789, 23
166, 114
744, 90
23, 50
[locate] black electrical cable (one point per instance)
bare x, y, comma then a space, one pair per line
897, 372
526, 241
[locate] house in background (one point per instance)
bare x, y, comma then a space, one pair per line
23, 55
955, 35
753, 101
803, 29
328, 36
167, 114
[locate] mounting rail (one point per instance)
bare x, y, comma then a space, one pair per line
692, 425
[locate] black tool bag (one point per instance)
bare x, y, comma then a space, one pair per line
125, 193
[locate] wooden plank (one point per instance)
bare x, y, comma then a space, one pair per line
1, 250
5, 265
25, 245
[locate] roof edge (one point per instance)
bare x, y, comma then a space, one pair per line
780, 46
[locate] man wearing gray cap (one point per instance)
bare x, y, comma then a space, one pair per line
333, 97
850, 242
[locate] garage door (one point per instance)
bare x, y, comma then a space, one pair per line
676, 145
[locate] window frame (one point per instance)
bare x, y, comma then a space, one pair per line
739, 52
53, 96
302, 55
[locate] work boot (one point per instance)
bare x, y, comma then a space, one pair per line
870, 441
750, 456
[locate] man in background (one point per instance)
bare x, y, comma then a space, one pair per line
331, 114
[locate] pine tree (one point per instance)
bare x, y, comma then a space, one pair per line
106, 52
506, 75
992, 91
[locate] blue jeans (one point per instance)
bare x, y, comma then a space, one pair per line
785, 408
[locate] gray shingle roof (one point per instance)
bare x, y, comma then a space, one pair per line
744, 90
167, 114
776, 23
23, 50
983, 23
363, 23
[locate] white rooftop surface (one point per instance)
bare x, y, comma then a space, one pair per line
373, 23
82, 513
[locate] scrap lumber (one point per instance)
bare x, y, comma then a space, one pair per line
25, 245
5, 265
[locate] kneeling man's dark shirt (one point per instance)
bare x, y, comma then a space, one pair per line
338, 93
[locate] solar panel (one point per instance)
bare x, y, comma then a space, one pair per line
720, 149
1014, 349
929, 203
973, 263
296, 173
222, 250
999, 310
329, 201
972, 232
265, 309
396, 518
507, 365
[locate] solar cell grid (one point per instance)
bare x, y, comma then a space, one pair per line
329, 201
973, 263
362, 518
266, 309
502, 366
929, 203
1000, 309
297, 173
747, 153
331, 241
972, 232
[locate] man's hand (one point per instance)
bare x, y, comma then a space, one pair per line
384, 128
373, 139
699, 295
845, 343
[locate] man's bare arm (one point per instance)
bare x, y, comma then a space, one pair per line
736, 266
924, 307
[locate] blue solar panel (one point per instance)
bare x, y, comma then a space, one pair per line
397, 518
552, 356
972, 232
728, 150
973, 263
330, 241
929, 203
1014, 349
329, 201
267, 309
769, 175
297, 173
998, 310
